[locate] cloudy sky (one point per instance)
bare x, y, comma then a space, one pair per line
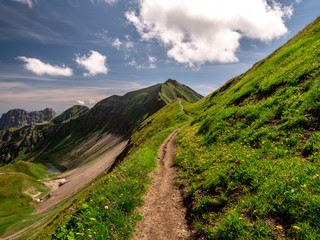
57, 53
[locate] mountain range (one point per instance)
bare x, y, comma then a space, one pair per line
247, 154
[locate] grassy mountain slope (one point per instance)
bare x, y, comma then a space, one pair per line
18, 183
108, 206
249, 160
119, 115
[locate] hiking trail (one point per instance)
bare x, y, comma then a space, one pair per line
163, 211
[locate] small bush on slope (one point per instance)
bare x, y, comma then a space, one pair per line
250, 162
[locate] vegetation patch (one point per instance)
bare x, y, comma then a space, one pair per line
249, 161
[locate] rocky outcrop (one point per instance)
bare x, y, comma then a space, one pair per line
18, 118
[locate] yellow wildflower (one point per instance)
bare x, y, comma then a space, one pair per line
279, 227
296, 227
93, 219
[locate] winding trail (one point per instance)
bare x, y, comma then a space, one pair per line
184, 112
164, 213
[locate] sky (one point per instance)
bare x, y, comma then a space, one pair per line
58, 53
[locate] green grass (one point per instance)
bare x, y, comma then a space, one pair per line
249, 160
15, 181
109, 206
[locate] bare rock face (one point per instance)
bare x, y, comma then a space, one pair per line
18, 118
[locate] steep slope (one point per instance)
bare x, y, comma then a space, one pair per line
107, 209
118, 115
71, 113
17, 144
123, 114
18, 118
249, 160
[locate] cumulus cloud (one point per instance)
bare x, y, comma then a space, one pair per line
94, 63
80, 102
28, 2
40, 68
195, 32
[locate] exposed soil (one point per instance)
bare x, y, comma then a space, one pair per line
164, 213
184, 112
71, 181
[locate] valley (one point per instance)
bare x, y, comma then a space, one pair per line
163, 162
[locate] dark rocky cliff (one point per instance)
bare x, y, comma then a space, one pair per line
18, 118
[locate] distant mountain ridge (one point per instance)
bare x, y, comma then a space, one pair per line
17, 118
76, 130
17, 142
123, 114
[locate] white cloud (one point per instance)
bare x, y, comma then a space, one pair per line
106, 1
40, 68
28, 2
150, 64
91, 101
94, 63
110, 1
152, 59
129, 44
298, 1
80, 102
195, 32
117, 43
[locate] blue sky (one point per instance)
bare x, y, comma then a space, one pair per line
57, 53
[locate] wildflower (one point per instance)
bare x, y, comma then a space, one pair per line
296, 227
106, 207
240, 218
71, 208
279, 227
93, 219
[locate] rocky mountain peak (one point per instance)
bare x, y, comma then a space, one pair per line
17, 118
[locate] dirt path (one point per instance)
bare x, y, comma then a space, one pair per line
164, 214
184, 112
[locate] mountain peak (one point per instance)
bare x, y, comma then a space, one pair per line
172, 81
17, 118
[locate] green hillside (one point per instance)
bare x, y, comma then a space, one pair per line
119, 115
249, 160
108, 206
19, 186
